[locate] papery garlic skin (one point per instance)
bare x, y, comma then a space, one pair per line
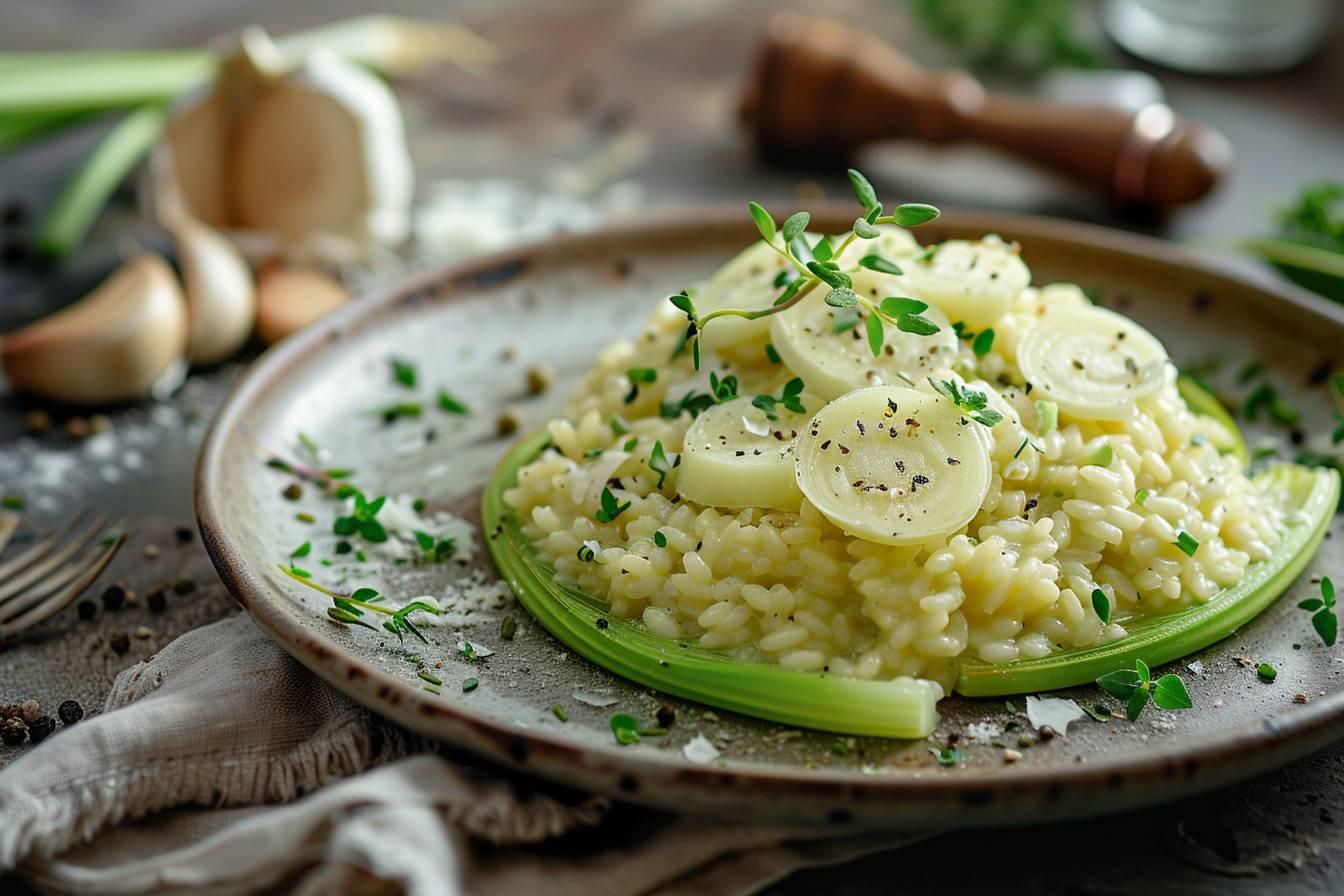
301, 150
110, 346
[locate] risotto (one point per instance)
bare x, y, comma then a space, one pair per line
936, 461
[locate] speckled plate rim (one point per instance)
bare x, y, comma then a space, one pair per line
965, 798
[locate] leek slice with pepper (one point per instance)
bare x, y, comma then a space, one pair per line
902, 708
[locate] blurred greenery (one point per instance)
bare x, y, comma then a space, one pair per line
1014, 36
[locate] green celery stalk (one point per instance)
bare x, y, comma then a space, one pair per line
899, 709
83, 196
1310, 495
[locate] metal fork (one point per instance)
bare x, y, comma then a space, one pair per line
46, 577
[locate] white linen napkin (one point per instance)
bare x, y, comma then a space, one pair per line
175, 786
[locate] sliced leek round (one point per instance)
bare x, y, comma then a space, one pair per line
833, 363
893, 465
1092, 362
735, 456
746, 282
973, 282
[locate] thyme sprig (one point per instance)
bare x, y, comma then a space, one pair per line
350, 609
816, 266
972, 402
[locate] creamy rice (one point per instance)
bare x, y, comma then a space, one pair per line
792, 588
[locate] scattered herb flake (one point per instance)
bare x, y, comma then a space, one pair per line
1102, 605
1186, 542
403, 372
1266, 672
450, 404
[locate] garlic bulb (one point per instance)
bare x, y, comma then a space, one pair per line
301, 150
112, 345
221, 297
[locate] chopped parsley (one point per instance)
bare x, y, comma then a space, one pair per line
450, 404
403, 372
972, 402
1135, 687
610, 508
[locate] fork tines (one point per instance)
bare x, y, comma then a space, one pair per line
47, 576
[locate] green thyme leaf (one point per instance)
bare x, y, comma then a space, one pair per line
912, 214
829, 276
302, 550
403, 372
865, 231
450, 404
879, 264
863, 190
917, 324
841, 297
794, 227
876, 334
895, 306
1102, 605
764, 223
1120, 684
1266, 672
659, 539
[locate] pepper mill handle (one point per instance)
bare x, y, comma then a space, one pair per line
820, 89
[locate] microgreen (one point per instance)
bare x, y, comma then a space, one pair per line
362, 519
948, 757
1322, 610
469, 653
876, 333
1135, 687
816, 266
410, 410
972, 402
789, 397
625, 728
659, 463
450, 404
403, 372
610, 508
1186, 542
434, 550
722, 389
350, 609
983, 343
1102, 605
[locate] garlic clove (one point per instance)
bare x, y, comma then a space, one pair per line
289, 299
221, 295
323, 150
112, 345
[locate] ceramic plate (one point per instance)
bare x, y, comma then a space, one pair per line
476, 327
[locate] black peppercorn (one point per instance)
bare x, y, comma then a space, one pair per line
40, 729
13, 732
120, 642
667, 716
114, 597
602, 623
87, 609
157, 600
70, 712
184, 534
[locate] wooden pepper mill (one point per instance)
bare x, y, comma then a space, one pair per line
820, 89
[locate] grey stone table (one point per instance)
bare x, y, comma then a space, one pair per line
642, 94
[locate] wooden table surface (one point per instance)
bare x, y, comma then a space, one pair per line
645, 93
